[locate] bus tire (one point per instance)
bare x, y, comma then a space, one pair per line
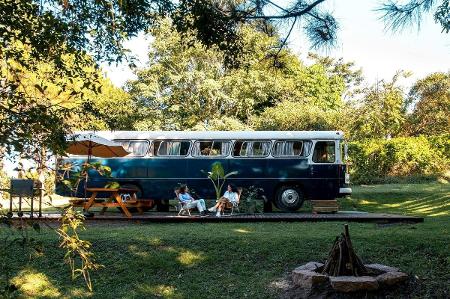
289, 198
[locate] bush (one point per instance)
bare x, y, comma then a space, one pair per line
378, 160
251, 202
441, 143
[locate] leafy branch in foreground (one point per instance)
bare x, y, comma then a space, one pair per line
70, 176
79, 255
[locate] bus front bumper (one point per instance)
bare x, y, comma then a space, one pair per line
345, 191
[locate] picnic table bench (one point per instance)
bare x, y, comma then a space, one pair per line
114, 194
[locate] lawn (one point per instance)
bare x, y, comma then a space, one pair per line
227, 260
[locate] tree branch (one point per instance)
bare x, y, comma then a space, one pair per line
293, 14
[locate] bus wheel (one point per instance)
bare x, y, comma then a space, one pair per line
289, 198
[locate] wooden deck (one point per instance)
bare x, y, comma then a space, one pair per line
171, 217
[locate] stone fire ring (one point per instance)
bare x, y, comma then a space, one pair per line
308, 276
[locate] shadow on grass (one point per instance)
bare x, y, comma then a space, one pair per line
420, 199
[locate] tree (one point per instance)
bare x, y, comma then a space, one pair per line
30, 38
109, 109
399, 15
187, 85
49, 30
381, 111
430, 98
295, 116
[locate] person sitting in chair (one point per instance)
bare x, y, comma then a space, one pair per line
191, 203
230, 196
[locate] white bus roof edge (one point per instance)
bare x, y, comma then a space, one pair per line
217, 135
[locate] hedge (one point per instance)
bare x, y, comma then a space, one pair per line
377, 160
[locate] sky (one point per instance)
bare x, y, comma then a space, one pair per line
362, 38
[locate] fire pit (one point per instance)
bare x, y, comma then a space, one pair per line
344, 272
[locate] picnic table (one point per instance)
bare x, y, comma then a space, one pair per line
114, 194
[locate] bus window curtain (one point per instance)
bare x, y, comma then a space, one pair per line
226, 148
174, 148
196, 149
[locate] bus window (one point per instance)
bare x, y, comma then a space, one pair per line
171, 148
287, 148
307, 145
251, 148
136, 148
260, 148
237, 148
324, 152
245, 148
211, 148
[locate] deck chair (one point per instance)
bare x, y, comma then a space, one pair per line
182, 206
234, 205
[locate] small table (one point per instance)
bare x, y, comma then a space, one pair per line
114, 194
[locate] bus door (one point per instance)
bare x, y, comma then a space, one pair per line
324, 170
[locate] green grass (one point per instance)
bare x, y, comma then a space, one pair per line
235, 260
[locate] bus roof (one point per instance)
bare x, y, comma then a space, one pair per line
217, 135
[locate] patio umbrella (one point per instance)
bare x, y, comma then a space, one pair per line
93, 145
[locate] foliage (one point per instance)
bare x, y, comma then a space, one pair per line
79, 255
381, 111
218, 177
111, 108
70, 176
430, 98
38, 68
187, 85
374, 159
47, 81
223, 124
112, 185
399, 15
4, 184
441, 144
289, 115
250, 201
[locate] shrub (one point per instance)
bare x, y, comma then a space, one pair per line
251, 202
441, 144
376, 159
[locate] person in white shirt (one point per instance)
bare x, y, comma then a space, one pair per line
230, 196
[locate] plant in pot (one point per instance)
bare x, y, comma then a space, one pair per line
251, 200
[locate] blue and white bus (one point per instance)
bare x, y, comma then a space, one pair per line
289, 166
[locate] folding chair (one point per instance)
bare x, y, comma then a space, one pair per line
233, 205
182, 206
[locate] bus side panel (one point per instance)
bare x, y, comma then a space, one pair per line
251, 173
164, 174
289, 172
325, 183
